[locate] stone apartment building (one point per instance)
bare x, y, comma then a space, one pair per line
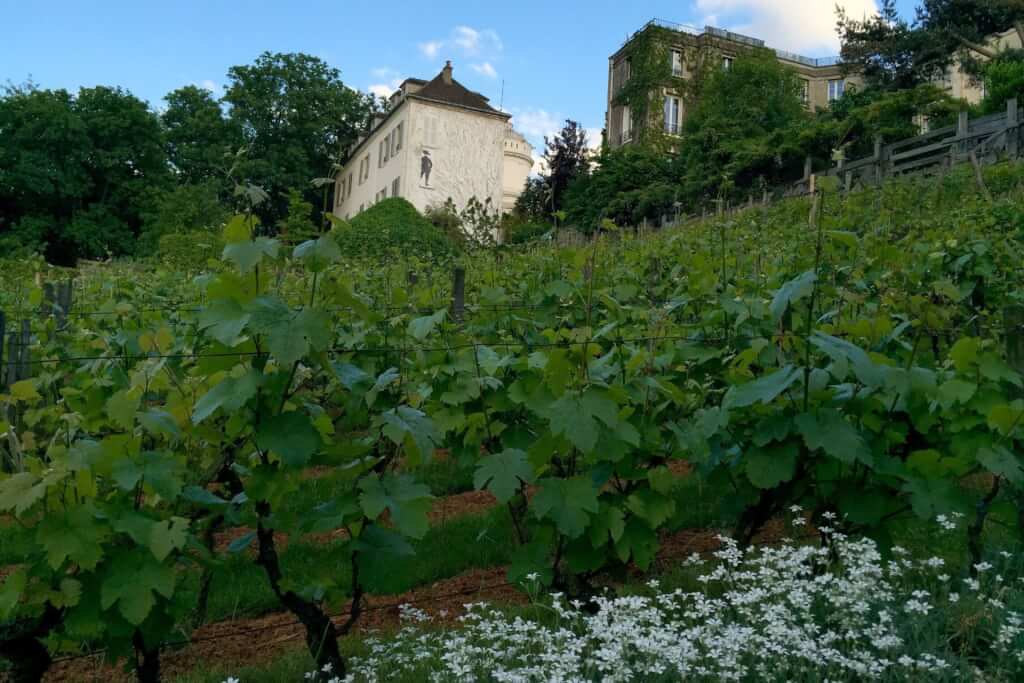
823, 78
438, 140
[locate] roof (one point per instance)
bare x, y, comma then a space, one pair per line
446, 90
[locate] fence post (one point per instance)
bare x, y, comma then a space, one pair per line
11, 369
49, 299
1013, 326
63, 303
26, 342
1012, 128
3, 333
459, 294
963, 127
879, 160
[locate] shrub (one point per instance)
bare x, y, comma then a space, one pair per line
189, 250
390, 228
518, 231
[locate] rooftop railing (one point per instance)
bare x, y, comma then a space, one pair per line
816, 62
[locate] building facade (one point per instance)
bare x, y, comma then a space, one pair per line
687, 49
438, 141
961, 85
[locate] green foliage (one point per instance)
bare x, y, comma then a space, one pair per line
297, 226
1004, 80
182, 209
295, 114
82, 165
650, 70
391, 228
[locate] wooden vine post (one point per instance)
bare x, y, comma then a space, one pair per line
1013, 325
459, 294
3, 366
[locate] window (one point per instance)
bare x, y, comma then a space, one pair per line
430, 135
396, 139
382, 195
395, 187
672, 112
677, 63
726, 63
836, 88
805, 90
627, 125
364, 169
387, 149
339, 192
349, 186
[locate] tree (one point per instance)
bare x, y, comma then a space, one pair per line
297, 117
968, 23
566, 157
199, 136
888, 51
83, 166
628, 185
534, 204
743, 127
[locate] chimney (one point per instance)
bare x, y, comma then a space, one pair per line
446, 72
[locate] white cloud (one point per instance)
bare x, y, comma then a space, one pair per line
388, 81
535, 124
432, 48
465, 41
794, 25
208, 85
485, 69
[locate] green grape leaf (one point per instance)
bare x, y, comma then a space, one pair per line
844, 353
768, 467
1002, 462
607, 525
121, 407
639, 542
162, 472
318, 254
651, 506
76, 535
955, 391
132, 581
25, 390
248, 254
1006, 418
224, 320
21, 491
964, 353
567, 502
291, 436
230, 394
201, 496
421, 328
578, 418
159, 423
829, 431
503, 473
791, 292
11, 590
168, 536
406, 425
407, 501
762, 390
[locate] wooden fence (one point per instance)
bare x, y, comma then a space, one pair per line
981, 141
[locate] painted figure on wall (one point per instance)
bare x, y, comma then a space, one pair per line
426, 165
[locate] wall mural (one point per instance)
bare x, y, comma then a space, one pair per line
426, 166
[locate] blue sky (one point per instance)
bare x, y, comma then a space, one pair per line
550, 56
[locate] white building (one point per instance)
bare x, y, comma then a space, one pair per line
438, 141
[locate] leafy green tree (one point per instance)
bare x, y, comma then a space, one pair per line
742, 126
628, 185
1004, 80
83, 164
566, 157
956, 24
199, 135
534, 203
181, 209
297, 117
888, 51
297, 226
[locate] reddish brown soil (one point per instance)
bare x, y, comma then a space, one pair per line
253, 641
